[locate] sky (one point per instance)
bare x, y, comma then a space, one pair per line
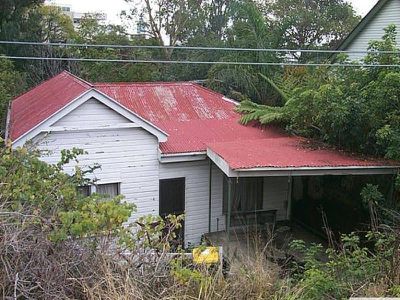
113, 7
362, 7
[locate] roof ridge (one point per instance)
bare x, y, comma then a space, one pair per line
212, 92
142, 83
193, 83
74, 77
78, 79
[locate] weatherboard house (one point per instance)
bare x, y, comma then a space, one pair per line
371, 27
173, 148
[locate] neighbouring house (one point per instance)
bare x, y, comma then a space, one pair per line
371, 27
176, 147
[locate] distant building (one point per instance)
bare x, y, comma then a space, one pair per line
371, 27
76, 17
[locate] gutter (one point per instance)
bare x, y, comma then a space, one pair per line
181, 157
318, 168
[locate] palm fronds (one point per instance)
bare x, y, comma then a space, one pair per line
277, 87
261, 113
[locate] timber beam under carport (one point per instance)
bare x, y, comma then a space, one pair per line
338, 171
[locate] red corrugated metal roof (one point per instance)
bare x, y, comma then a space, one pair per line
36, 105
192, 116
285, 152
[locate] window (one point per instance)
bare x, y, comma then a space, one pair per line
109, 189
247, 194
84, 190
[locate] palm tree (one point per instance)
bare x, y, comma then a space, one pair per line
250, 29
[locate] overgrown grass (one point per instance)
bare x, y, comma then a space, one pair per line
36, 268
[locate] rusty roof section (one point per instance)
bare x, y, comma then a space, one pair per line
195, 118
191, 114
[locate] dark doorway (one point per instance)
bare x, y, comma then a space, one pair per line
172, 200
338, 199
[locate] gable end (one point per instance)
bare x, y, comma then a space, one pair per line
92, 113
69, 115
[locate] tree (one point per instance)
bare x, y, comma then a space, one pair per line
11, 84
311, 24
210, 29
169, 23
217, 14
47, 23
43, 23
250, 29
91, 32
11, 14
353, 108
182, 23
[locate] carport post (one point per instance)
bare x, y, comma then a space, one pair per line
289, 198
228, 215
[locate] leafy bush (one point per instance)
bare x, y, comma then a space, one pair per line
57, 243
348, 270
48, 198
352, 108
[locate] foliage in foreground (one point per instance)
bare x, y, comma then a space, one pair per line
55, 243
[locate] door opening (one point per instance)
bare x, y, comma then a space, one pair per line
172, 201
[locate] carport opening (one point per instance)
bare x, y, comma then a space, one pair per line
338, 197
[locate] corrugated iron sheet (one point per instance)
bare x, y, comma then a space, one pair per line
194, 118
36, 105
285, 152
192, 115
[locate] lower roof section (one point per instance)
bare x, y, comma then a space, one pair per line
287, 156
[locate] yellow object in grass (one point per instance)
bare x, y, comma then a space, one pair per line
207, 255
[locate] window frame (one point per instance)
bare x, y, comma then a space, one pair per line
109, 183
81, 187
93, 187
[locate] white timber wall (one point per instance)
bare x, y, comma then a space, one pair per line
389, 14
276, 192
128, 156
91, 113
196, 176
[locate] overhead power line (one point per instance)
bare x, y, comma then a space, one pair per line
197, 62
195, 48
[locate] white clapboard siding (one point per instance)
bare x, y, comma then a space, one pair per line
276, 195
91, 113
128, 156
374, 30
196, 195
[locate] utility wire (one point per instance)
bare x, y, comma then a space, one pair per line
197, 62
195, 48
